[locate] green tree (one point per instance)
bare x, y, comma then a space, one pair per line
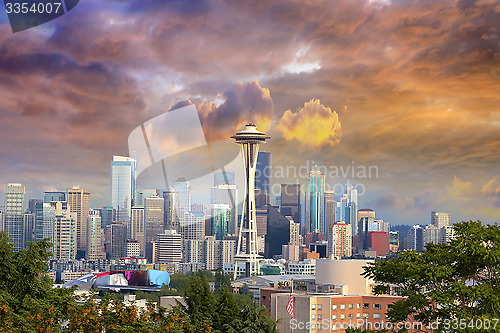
226, 309
200, 305
450, 283
253, 319
222, 280
28, 302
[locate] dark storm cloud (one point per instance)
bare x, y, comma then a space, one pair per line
415, 85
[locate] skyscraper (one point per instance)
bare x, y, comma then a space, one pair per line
171, 219
79, 203
45, 215
169, 247
340, 240
367, 225
118, 244
143, 194
29, 227
32, 204
193, 225
249, 139
221, 220
153, 223
415, 238
226, 192
50, 196
263, 172
137, 226
60, 227
281, 230
93, 251
183, 191
315, 191
290, 201
123, 174
441, 219
330, 207
64, 230
347, 209
107, 214
14, 214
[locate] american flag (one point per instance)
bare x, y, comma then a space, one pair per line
289, 306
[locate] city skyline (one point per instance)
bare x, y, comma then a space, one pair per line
408, 87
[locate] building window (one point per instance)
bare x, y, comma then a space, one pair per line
320, 317
366, 305
342, 306
313, 306
366, 316
320, 306
350, 316
350, 307
342, 317
389, 306
313, 316
376, 316
334, 317
358, 315
377, 306
334, 307
358, 306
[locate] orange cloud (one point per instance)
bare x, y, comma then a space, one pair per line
312, 125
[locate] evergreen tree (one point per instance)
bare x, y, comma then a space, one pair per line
200, 305
226, 309
253, 320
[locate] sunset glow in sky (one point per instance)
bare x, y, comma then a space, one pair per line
411, 87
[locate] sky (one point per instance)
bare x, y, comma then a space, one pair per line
406, 89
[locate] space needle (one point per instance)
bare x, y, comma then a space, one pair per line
249, 139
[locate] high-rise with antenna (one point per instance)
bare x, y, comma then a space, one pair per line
249, 139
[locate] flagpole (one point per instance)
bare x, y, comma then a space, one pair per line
291, 294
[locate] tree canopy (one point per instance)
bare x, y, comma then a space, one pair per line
29, 303
456, 285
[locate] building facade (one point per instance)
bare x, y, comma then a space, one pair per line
79, 204
14, 214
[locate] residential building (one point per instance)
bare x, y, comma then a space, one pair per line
79, 203
94, 250
340, 240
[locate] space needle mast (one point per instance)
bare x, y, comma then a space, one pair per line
249, 139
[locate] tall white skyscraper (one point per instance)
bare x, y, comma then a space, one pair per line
14, 214
123, 174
